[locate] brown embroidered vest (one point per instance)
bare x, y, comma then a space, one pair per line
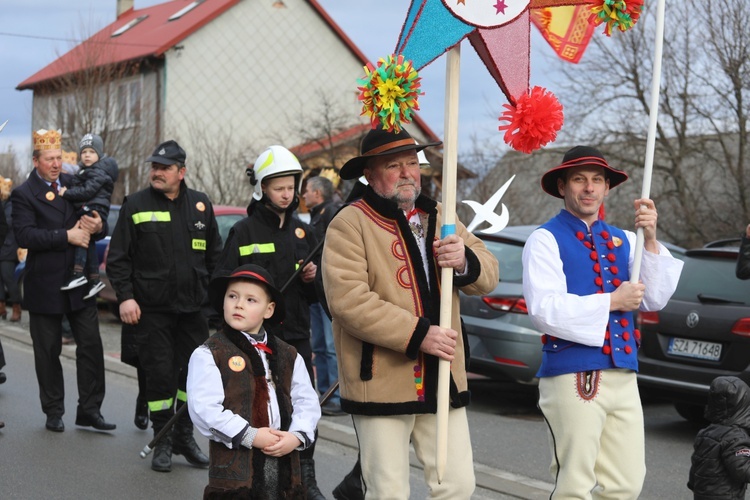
242, 468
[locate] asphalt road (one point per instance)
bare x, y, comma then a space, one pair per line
84, 463
509, 439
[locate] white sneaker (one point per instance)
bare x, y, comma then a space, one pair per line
96, 287
78, 279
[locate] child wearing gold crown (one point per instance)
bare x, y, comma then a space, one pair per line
91, 189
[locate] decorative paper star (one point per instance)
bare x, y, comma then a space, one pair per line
498, 31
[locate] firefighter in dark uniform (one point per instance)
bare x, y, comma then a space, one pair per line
163, 250
273, 238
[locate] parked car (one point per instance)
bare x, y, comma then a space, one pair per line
226, 217
101, 245
702, 333
503, 342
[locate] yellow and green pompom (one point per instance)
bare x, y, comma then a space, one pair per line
389, 93
619, 14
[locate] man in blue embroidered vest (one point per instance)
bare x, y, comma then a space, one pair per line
576, 282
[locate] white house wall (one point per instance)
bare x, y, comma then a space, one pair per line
256, 73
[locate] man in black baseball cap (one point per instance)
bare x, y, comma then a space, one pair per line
167, 168
164, 247
168, 153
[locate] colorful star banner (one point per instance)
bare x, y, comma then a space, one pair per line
567, 29
497, 29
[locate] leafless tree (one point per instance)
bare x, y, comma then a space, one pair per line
10, 167
217, 163
321, 127
701, 163
106, 99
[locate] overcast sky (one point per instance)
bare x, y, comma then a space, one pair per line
34, 33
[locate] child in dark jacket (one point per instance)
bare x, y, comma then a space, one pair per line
721, 457
90, 190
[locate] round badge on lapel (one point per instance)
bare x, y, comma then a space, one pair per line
299, 232
200, 206
236, 363
50, 195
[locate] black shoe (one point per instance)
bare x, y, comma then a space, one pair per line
141, 416
308, 479
55, 423
95, 421
3, 378
186, 446
351, 487
332, 410
162, 459
78, 279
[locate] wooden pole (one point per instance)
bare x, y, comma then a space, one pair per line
651, 140
450, 162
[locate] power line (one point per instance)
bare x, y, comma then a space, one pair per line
74, 40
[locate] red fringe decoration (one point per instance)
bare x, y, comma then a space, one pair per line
533, 121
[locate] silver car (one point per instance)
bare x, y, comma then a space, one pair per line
503, 344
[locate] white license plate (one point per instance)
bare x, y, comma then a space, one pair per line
694, 349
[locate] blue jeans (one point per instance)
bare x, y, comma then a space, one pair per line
326, 367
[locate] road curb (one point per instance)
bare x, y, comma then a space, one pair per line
488, 478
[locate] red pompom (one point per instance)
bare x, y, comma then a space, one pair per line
533, 121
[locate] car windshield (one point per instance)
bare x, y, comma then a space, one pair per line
509, 257
713, 280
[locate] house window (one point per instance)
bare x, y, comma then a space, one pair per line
185, 10
128, 99
129, 25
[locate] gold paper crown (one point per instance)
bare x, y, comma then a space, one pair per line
70, 157
47, 139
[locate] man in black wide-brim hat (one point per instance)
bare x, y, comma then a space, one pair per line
381, 272
576, 282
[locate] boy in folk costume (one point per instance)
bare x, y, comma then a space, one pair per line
250, 393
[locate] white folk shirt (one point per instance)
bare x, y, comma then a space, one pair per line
583, 319
205, 392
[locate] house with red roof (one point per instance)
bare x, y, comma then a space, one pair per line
225, 78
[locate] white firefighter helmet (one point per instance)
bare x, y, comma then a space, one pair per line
276, 161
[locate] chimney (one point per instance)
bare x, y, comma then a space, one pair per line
124, 6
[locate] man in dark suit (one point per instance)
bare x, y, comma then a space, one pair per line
47, 225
